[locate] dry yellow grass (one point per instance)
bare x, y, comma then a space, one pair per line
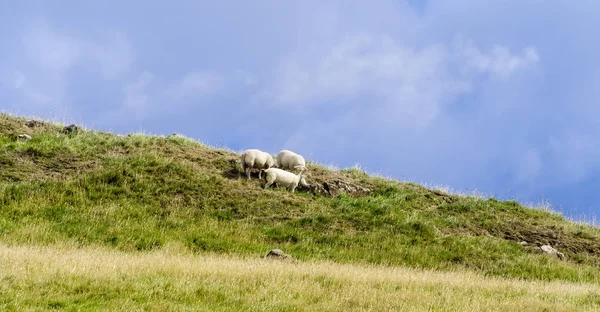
34, 278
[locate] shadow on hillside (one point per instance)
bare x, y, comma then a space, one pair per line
321, 181
236, 174
232, 173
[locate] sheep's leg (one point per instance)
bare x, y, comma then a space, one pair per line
248, 169
294, 186
267, 184
259, 174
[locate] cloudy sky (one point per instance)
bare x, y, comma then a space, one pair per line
499, 97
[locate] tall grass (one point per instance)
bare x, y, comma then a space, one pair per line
66, 278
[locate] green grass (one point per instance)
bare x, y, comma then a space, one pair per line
142, 193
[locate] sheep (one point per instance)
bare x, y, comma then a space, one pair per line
291, 161
283, 178
256, 159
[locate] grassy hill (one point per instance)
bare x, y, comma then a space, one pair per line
152, 193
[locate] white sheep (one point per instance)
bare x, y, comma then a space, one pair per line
283, 178
256, 159
291, 161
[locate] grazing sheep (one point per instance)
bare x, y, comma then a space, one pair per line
256, 159
283, 178
290, 161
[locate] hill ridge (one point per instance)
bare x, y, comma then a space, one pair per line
139, 192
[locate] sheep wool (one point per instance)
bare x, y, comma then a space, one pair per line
256, 159
283, 178
291, 161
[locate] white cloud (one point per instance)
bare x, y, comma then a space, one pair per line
196, 84
499, 61
293, 84
529, 165
19, 80
577, 154
409, 84
113, 57
53, 52
245, 77
50, 49
57, 51
138, 95
149, 95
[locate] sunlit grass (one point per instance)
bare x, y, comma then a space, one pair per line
92, 278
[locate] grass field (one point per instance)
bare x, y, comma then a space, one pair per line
98, 278
136, 196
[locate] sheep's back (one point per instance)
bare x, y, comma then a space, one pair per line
255, 158
289, 159
282, 176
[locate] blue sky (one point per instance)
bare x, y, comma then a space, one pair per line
495, 96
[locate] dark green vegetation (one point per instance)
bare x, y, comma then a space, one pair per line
144, 192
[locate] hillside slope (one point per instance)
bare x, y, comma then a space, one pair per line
142, 192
